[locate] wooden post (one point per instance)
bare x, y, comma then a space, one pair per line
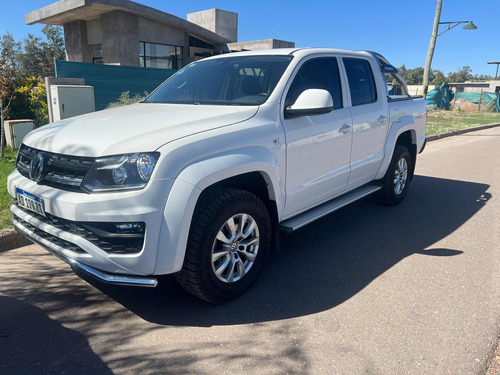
480, 100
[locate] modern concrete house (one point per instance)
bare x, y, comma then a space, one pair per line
122, 32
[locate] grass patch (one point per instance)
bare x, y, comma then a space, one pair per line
439, 122
7, 165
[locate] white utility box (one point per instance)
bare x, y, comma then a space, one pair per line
71, 100
16, 130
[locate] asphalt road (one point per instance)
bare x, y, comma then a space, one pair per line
412, 289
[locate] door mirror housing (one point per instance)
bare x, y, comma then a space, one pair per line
310, 102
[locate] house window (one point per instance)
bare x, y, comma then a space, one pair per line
199, 48
97, 54
161, 56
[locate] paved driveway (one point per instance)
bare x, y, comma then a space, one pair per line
412, 289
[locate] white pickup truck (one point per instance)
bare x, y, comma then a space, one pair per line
199, 179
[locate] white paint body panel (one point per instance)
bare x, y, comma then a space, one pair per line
305, 161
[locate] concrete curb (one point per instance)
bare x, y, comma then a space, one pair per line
10, 239
458, 132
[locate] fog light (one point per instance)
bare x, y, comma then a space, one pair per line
129, 228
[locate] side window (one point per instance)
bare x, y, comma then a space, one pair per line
322, 73
361, 81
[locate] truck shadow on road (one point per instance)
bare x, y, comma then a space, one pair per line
327, 262
32, 343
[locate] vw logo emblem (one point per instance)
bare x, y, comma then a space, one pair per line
36, 167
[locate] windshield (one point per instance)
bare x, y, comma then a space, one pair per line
242, 80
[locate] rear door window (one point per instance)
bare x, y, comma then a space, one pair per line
361, 81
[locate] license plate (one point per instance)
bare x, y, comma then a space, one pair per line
30, 202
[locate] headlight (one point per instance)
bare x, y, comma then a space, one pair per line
120, 172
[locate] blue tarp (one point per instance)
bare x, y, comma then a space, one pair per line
486, 98
440, 97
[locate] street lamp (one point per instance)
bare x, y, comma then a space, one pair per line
432, 45
497, 63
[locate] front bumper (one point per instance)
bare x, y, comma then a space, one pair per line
82, 254
80, 268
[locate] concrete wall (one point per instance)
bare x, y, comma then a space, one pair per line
260, 44
120, 38
75, 40
282, 44
218, 21
119, 32
94, 31
417, 89
155, 32
494, 86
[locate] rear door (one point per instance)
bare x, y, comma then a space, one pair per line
368, 106
318, 146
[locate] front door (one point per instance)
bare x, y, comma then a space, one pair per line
318, 146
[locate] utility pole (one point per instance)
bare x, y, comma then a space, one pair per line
432, 46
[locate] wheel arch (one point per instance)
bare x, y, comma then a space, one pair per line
402, 132
408, 139
253, 170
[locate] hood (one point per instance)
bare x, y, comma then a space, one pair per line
139, 127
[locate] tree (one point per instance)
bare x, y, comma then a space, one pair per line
37, 57
31, 60
462, 75
482, 77
53, 48
438, 78
7, 81
12, 50
412, 76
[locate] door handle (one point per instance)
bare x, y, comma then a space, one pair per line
382, 118
345, 129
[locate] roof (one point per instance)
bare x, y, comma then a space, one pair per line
299, 52
66, 11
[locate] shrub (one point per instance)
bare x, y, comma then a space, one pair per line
30, 101
125, 99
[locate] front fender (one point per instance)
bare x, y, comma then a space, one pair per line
398, 127
188, 186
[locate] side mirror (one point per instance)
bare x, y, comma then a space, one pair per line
310, 102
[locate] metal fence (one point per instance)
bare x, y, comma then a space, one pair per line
111, 81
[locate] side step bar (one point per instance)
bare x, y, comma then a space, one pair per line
316, 213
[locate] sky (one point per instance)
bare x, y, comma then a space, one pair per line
399, 30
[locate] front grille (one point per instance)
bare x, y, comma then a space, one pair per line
65, 172
114, 245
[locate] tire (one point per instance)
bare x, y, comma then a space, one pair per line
396, 181
222, 261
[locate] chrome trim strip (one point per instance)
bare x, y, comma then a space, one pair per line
79, 267
63, 179
25, 168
